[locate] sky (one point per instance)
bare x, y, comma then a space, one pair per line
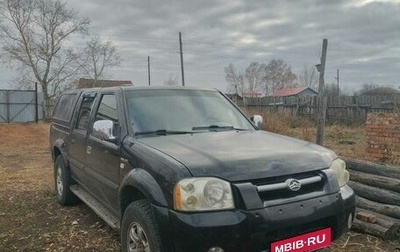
363, 38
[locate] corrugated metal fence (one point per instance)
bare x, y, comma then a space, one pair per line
18, 106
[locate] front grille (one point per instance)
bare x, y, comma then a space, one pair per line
278, 188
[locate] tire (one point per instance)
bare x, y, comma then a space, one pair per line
62, 182
139, 230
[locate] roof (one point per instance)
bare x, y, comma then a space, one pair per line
382, 91
289, 91
252, 94
165, 87
233, 95
90, 83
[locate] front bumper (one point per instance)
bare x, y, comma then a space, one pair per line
242, 230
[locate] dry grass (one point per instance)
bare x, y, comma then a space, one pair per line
344, 140
30, 218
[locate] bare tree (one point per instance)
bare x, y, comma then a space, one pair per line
34, 33
259, 77
235, 80
171, 81
255, 75
97, 56
23, 80
308, 77
279, 75
367, 87
331, 90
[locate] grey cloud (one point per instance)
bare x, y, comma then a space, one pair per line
363, 39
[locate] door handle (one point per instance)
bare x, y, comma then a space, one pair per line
89, 150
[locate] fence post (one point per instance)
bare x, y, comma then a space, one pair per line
8, 102
322, 101
36, 103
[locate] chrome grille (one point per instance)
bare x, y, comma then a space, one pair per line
278, 188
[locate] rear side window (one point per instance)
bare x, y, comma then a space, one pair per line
64, 107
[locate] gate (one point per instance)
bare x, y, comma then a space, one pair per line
17, 106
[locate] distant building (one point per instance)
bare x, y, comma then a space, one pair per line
294, 92
290, 95
382, 91
384, 97
236, 98
252, 94
90, 83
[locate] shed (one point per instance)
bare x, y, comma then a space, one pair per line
381, 91
385, 97
290, 95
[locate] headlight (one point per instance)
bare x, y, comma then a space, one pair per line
203, 194
339, 168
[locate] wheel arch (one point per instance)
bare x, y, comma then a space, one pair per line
59, 148
139, 184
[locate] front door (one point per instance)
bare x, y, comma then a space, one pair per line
103, 155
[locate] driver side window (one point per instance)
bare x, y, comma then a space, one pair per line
107, 114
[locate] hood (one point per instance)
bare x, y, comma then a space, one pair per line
243, 155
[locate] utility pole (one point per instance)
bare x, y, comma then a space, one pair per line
148, 68
181, 52
321, 95
36, 103
337, 80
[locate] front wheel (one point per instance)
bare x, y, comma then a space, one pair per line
62, 179
139, 230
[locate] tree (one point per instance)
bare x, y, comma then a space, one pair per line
367, 87
34, 33
235, 80
97, 56
279, 75
23, 81
331, 90
171, 81
252, 80
259, 77
255, 75
308, 77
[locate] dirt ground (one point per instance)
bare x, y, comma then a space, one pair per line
31, 219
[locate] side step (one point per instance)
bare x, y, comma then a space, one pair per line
96, 206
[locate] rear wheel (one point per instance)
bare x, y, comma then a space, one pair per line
62, 179
139, 231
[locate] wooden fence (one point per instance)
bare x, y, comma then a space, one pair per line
340, 109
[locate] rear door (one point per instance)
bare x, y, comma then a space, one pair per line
103, 159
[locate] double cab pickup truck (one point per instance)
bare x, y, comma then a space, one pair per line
184, 169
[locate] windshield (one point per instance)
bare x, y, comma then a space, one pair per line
182, 111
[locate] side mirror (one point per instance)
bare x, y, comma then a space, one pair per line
103, 129
257, 120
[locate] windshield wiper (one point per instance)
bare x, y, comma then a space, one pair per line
216, 127
162, 132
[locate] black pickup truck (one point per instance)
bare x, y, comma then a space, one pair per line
183, 169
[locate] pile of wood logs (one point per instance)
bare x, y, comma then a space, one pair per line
378, 198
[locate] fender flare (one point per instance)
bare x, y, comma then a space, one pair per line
146, 184
60, 145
